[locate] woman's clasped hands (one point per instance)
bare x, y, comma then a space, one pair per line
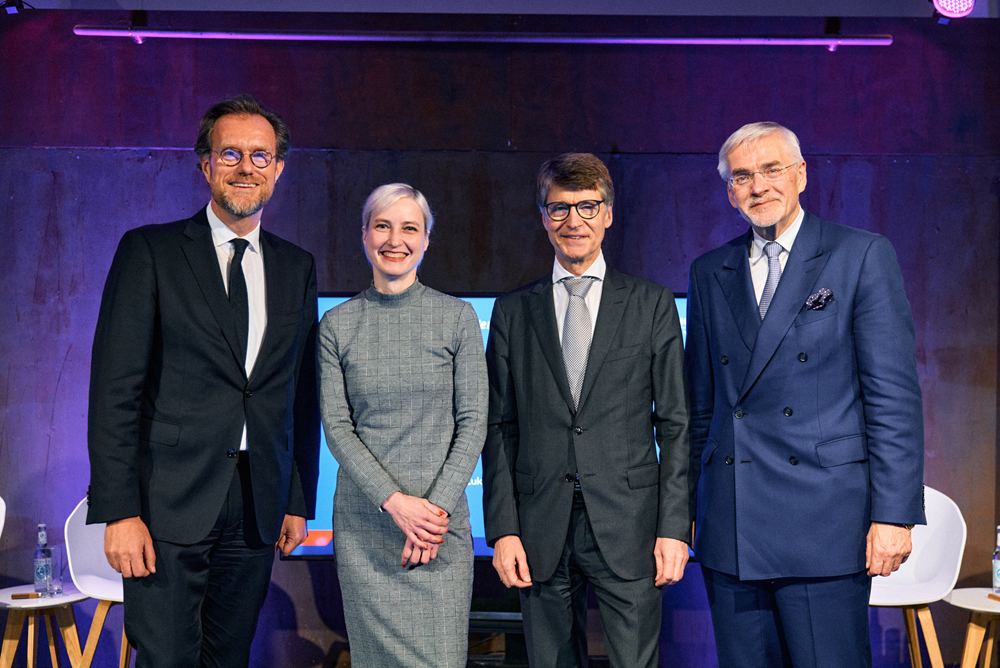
423, 523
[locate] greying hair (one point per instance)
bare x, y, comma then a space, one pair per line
751, 133
575, 171
241, 105
385, 196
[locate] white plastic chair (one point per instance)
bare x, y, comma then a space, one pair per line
94, 576
928, 575
3, 514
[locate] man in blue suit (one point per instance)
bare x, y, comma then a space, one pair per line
806, 419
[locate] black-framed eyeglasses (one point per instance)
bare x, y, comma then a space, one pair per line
231, 157
771, 174
587, 209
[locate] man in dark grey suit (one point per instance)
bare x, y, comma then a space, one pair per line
203, 430
583, 364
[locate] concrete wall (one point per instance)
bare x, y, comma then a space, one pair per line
95, 136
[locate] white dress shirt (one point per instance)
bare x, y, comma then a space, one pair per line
561, 296
758, 261
253, 272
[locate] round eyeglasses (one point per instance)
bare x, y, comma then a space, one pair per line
586, 209
771, 174
232, 157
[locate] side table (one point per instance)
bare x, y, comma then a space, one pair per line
985, 612
58, 609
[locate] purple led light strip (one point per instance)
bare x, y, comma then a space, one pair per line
831, 42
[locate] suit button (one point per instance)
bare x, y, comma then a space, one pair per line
247, 394
793, 460
788, 411
739, 414
231, 454
569, 477
803, 357
729, 460
724, 359
577, 430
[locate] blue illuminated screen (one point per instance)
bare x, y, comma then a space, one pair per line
319, 543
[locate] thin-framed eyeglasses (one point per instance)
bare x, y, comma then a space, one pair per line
587, 209
771, 174
231, 157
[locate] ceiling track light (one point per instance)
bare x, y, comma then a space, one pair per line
140, 34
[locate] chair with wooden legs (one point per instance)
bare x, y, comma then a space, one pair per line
93, 576
57, 610
928, 575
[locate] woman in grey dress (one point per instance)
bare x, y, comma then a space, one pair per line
403, 396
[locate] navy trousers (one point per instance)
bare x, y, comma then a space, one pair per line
790, 622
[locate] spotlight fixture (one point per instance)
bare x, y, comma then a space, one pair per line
14, 6
954, 9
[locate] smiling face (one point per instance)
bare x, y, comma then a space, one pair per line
240, 191
577, 241
395, 240
770, 206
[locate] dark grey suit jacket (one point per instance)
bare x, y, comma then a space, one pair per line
636, 361
169, 393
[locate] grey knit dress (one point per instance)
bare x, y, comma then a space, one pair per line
403, 394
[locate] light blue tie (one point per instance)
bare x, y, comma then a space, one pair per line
577, 332
772, 249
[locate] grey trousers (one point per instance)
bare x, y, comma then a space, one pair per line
555, 611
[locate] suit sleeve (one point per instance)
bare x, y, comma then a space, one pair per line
670, 419
885, 349
123, 346
700, 379
305, 472
502, 437
351, 453
470, 396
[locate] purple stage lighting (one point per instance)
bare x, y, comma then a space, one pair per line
954, 9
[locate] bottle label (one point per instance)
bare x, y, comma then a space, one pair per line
996, 575
43, 573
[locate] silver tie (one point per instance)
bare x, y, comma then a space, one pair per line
772, 249
577, 332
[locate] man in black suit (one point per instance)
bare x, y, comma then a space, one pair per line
583, 364
203, 429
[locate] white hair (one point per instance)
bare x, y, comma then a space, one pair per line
752, 133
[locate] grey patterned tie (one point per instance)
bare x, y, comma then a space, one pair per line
577, 332
772, 249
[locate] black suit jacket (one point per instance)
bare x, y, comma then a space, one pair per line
169, 393
636, 360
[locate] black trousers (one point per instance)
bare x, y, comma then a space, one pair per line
200, 608
555, 611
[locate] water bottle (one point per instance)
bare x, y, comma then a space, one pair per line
996, 565
43, 562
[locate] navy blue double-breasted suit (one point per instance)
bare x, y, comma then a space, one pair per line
807, 425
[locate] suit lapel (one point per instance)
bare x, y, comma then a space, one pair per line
614, 297
204, 262
737, 286
542, 312
802, 269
